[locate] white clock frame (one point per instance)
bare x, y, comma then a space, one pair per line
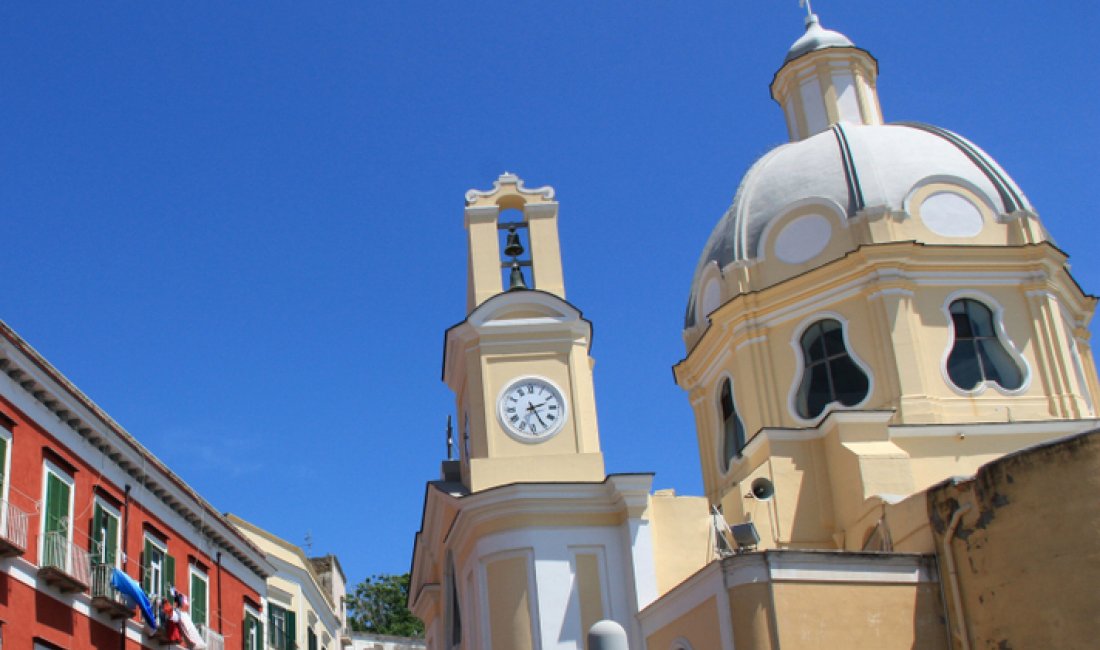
524, 437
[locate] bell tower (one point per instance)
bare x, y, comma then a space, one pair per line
519, 364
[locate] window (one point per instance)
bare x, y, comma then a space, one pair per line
253, 630
978, 355
5, 466
733, 429
158, 568
830, 375
453, 611
104, 534
5, 469
280, 628
56, 522
311, 640
199, 591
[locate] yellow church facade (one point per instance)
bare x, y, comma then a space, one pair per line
880, 310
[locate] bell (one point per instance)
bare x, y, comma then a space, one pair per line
516, 280
512, 247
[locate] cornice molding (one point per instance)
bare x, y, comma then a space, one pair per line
61, 407
509, 181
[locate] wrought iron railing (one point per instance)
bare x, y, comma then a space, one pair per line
61, 554
101, 584
13, 525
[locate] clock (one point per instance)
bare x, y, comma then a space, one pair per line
531, 409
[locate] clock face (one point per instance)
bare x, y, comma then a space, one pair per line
531, 409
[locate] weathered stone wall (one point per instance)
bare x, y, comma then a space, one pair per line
1026, 549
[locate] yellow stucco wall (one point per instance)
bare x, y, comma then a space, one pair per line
883, 617
509, 605
699, 626
751, 616
589, 589
681, 537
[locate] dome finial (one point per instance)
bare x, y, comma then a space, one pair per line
811, 17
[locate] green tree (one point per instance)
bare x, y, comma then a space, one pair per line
378, 605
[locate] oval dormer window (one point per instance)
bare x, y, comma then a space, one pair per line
803, 239
950, 215
978, 354
830, 376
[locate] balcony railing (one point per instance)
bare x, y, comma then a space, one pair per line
106, 598
214, 641
64, 564
13, 530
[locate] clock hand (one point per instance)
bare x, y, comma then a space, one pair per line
531, 409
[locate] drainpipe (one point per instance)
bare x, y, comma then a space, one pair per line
218, 560
953, 576
125, 528
125, 556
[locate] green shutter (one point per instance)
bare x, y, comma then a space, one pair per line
169, 574
198, 600
146, 574
291, 636
104, 546
57, 505
271, 624
112, 538
97, 535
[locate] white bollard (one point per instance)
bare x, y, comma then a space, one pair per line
607, 635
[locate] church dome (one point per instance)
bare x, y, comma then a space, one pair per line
793, 209
855, 169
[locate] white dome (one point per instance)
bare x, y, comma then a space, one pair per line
816, 38
857, 168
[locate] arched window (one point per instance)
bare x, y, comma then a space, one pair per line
453, 611
830, 375
978, 355
733, 430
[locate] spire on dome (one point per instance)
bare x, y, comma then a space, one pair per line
809, 10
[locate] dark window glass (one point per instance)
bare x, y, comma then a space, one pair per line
830, 373
456, 616
733, 430
978, 355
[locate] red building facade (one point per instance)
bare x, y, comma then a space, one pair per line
81, 498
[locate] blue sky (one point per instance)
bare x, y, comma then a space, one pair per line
238, 226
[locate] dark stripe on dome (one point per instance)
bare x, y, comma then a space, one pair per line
1009, 198
851, 177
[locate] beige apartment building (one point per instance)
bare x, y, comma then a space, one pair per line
304, 604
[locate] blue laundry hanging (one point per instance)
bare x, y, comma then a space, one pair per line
133, 592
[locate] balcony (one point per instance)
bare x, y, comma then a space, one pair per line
214, 641
13, 530
63, 564
106, 598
